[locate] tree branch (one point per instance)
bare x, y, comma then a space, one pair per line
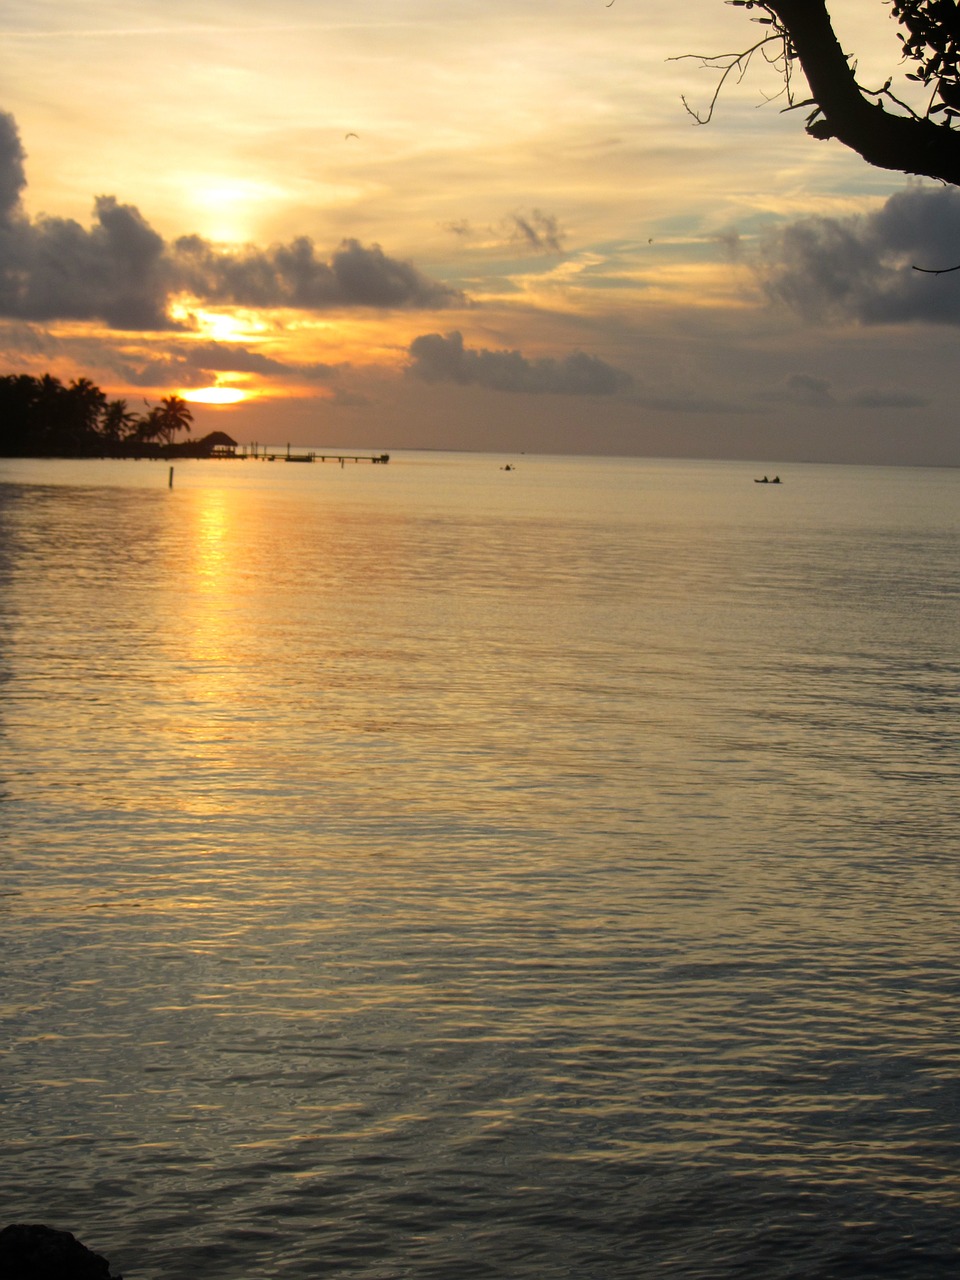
727, 64
908, 144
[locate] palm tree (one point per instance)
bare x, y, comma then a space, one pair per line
175, 416
164, 420
18, 413
88, 398
84, 402
54, 427
116, 423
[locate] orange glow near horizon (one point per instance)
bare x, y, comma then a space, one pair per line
215, 395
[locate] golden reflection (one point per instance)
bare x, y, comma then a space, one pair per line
263, 632
212, 537
207, 634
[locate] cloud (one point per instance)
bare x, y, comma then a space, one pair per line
223, 358
12, 176
162, 371
871, 398
122, 272
438, 358
459, 227
293, 276
863, 268
53, 269
809, 391
537, 231
541, 231
198, 364
27, 339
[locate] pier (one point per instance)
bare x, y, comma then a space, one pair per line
263, 454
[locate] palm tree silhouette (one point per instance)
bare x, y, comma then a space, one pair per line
116, 422
176, 416
165, 419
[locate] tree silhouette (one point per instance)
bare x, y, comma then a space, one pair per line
86, 402
19, 394
59, 416
117, 423
165, 419
874, 122
40, 417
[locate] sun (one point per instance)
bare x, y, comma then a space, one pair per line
215, 395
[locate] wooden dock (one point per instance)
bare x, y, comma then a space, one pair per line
261, 454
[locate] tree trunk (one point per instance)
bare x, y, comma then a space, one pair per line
886, 140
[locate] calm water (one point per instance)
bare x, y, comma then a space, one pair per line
426, 871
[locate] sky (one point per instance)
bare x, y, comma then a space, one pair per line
468, 224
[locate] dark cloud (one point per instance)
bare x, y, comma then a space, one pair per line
461, 227
223, 358
162, 371
807, 390
863, 268
122, 272
293, 276
55, 269
438, 358
198, 363
539, 231
731, 243
12, 177
28, 339
873, 399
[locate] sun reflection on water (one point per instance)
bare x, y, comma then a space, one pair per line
211, 536
451, 863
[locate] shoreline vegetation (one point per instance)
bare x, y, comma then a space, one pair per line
43, 418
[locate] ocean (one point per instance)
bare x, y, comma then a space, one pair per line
439, 872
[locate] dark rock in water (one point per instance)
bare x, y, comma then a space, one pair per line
35, 1252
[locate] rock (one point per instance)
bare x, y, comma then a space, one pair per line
35, 1252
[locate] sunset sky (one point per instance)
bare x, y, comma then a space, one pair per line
466, 224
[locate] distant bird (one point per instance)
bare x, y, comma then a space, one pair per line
351, 135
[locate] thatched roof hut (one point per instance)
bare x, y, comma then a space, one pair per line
216, 444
